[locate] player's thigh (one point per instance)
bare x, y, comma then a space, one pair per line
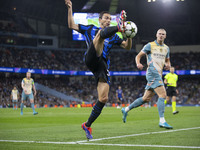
103, 90
148, 94
98, 44
23, 98
160, 91
31, 98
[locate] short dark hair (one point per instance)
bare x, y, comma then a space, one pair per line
102, 13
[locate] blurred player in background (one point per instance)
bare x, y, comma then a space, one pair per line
99, 42
171, 82
157, 56
27, 93
119, 96
14, 97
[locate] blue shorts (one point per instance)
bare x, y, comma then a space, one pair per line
27, 96
14, 101
154, 80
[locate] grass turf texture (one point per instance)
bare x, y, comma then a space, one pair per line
64, 125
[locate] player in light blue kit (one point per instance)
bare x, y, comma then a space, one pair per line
157, 57
14, 96
27, 86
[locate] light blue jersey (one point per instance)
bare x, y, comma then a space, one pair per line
156, 56
28, 84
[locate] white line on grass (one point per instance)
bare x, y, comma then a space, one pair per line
44, 142
136, 145
123, 136
148, 133
95, 144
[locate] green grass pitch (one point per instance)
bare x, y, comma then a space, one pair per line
64, 125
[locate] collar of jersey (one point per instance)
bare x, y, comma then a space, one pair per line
158, 43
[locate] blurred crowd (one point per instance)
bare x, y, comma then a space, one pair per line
73, 60
84, 88
8, 27
13, 23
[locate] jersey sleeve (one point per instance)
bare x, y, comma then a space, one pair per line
147, 48
166, 76
168, 51
32, 82
83, 28
118, 40
23, 81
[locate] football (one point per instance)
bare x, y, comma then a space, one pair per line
131, 29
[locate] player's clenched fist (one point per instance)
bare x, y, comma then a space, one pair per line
140, 66
68, 3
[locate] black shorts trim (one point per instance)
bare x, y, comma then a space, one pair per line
97, 65
171, 91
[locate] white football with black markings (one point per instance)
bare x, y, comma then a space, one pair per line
131, 29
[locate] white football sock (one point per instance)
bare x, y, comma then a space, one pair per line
127, 109
162, 120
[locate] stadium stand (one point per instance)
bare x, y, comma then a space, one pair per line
85, 90
14, 23
73, 60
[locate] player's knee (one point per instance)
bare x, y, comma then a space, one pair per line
98, 38
146, 99
163, 95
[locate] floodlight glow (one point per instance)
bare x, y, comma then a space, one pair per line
166, 1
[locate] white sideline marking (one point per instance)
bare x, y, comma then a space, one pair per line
123, 136
136, 145
127, 145
44, 142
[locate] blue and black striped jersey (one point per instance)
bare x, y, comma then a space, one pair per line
89, 31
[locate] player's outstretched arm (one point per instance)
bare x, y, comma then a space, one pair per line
34, 89
127, 44
71, 23
137, 60
22, 85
